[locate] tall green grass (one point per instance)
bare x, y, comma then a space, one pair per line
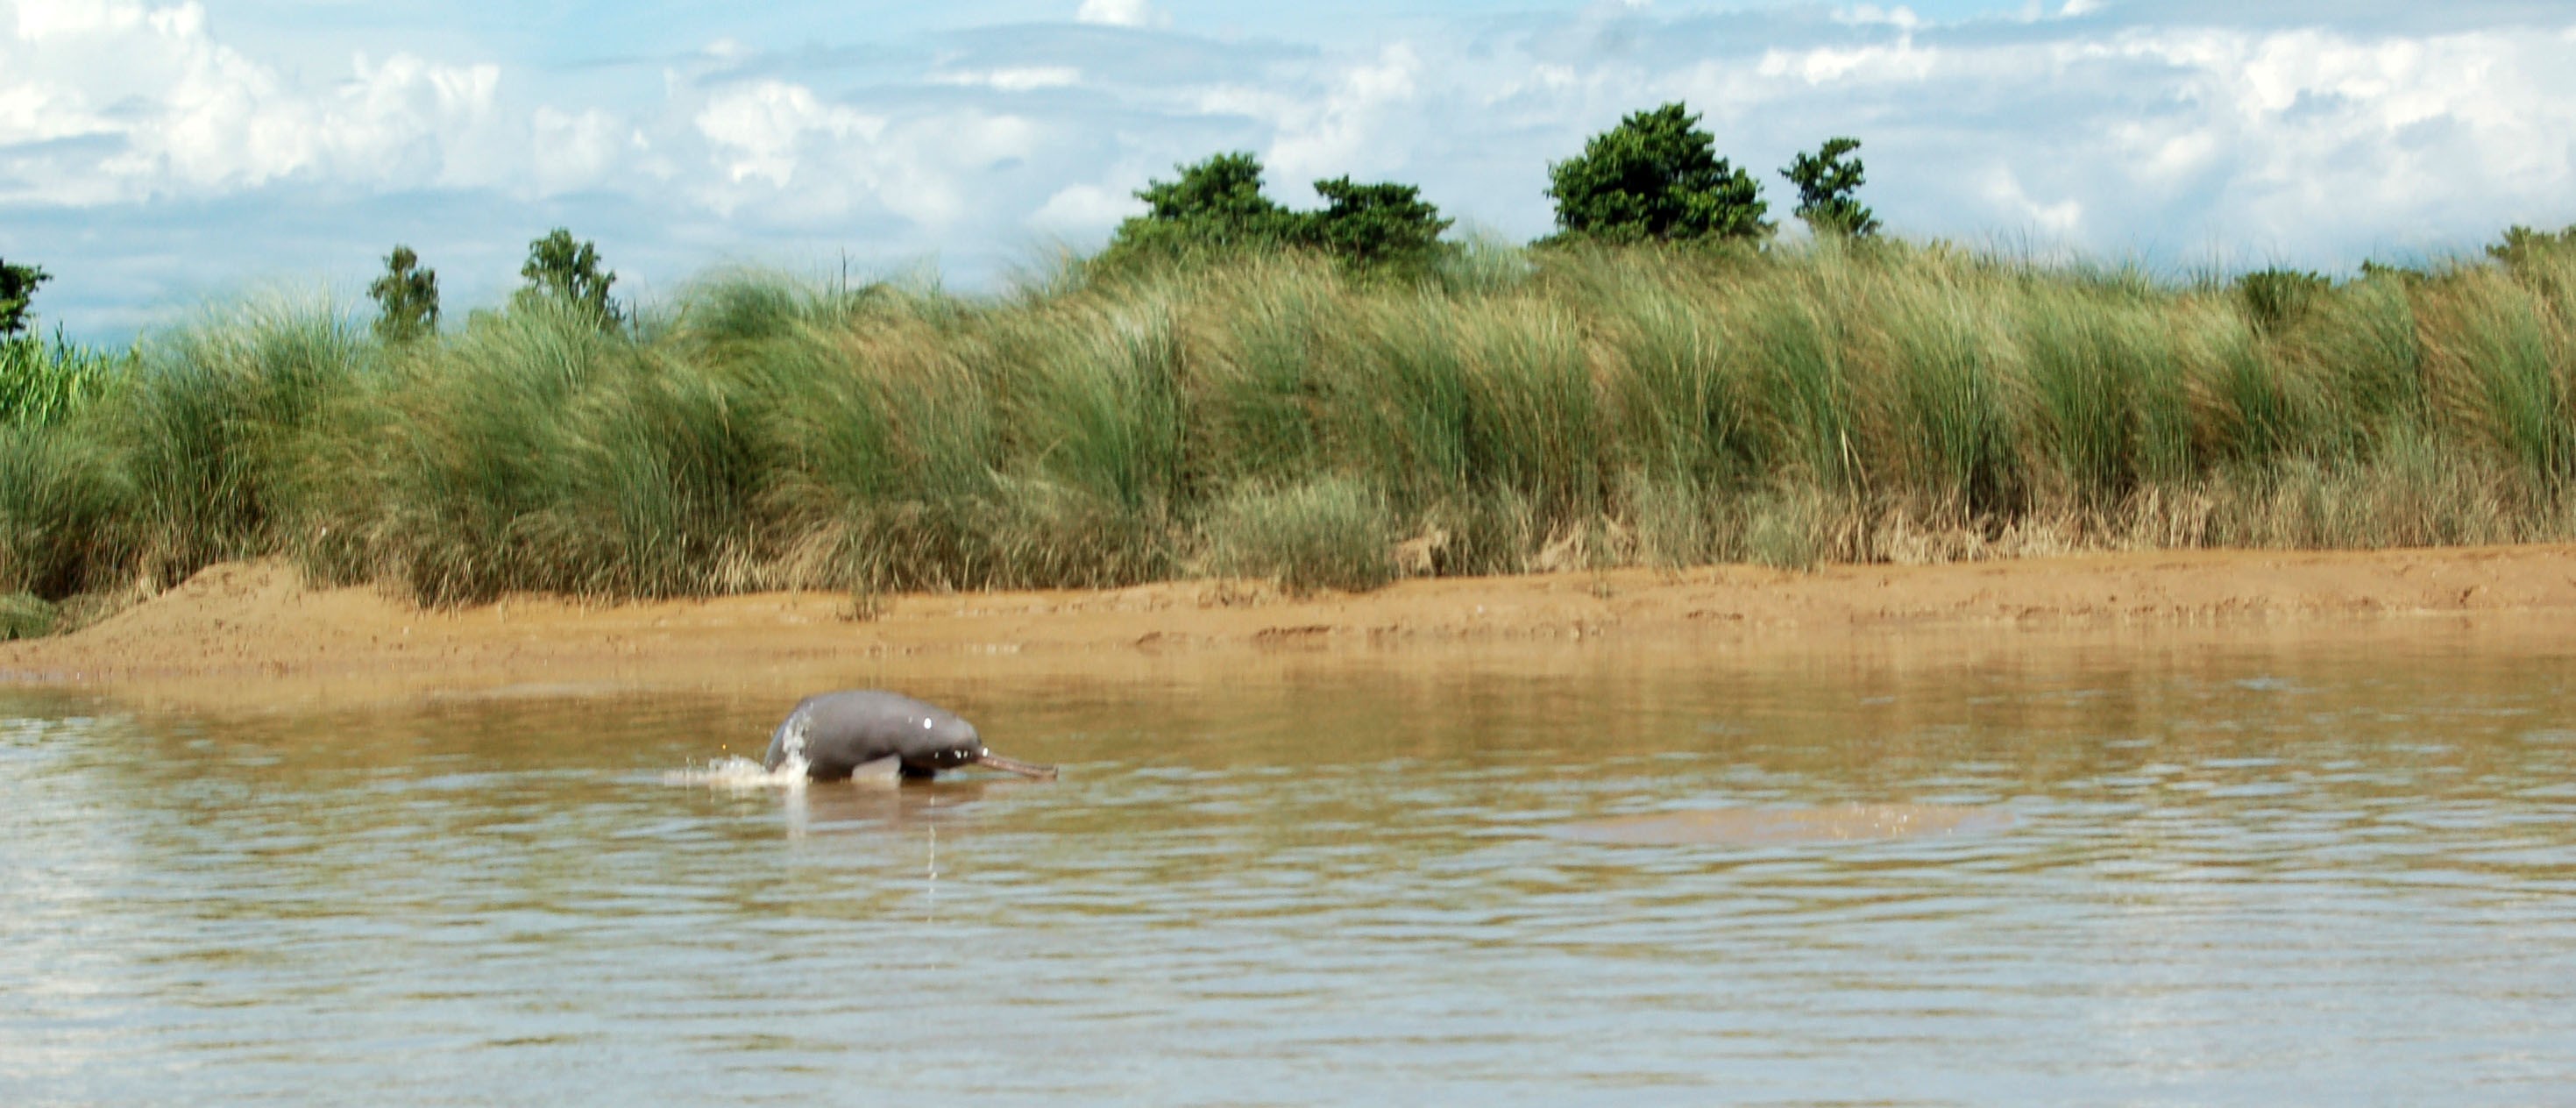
1272, 417
43, 383
67, 514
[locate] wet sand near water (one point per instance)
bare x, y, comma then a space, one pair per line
245, 633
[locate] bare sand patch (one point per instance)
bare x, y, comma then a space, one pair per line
246, 629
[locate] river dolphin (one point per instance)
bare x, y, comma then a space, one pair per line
857, 730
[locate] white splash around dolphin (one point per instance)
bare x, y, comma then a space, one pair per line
744, 774
740, 773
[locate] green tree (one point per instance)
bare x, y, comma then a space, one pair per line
1655, 176
1224, 190
406, 298
1827, 182
1374, 224
18, 286
568, 273
1217, 207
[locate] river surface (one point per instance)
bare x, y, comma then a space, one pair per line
2211, 867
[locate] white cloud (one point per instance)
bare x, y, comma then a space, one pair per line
2321, 136
1120, 13
180, 113
578, 151
1900, 61
764, 128
1013, 79
786, 155
1349, 128
1899, 16
2004, 189
1084, 210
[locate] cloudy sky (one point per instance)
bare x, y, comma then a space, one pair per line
160, 156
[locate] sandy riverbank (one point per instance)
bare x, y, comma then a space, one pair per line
253, 625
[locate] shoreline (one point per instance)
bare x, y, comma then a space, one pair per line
254, 632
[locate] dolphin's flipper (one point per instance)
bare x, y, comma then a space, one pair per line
884, 771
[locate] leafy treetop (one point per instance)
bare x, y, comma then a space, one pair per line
1374, 224
18, 286
1217, 206
1225, 189
568, 273
406, 298
1655, 176
1827, 182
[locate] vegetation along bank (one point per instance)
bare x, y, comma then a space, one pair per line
1328, 399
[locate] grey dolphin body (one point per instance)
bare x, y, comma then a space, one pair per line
839, 732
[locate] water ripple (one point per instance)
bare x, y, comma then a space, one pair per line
2242, 878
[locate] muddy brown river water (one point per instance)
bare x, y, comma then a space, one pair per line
2255, 866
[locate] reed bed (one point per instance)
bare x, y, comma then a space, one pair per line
1277, 418
42, 383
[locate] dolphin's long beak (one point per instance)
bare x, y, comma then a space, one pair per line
1006, 765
